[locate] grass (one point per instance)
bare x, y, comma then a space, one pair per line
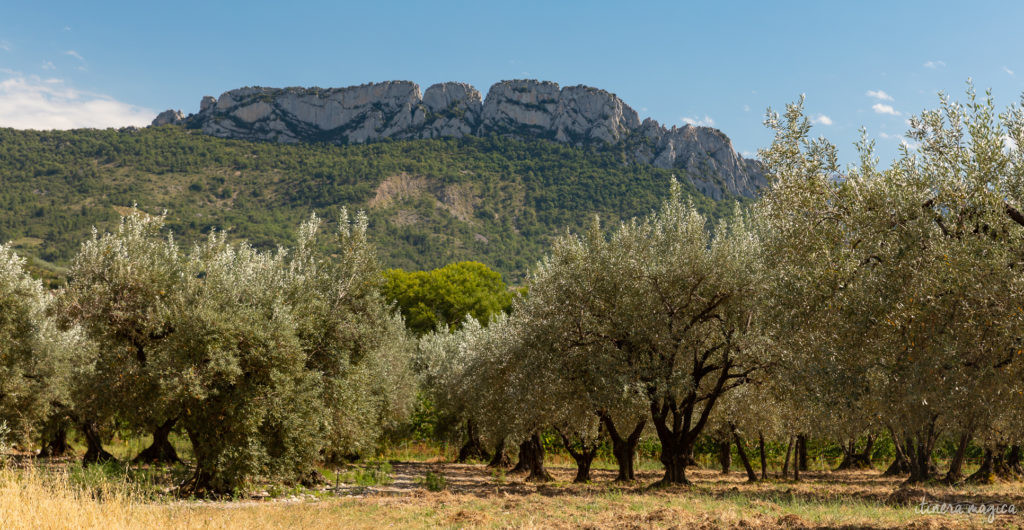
414, 485
374, 473
69, 497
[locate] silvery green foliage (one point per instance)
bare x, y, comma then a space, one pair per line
236, 369
443, 359
349, 334
121, 288
897, 293
267, 358
36, 357
656, 317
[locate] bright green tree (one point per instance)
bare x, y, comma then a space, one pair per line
446, 296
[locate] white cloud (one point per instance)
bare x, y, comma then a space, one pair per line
882, 108
1008, 143
34, 103
746, 108
705, 122
886, 135
748, 154
1007, 70
934, 65
47, 65
75, 54
909, 144
821, 119
879, 94
5, 46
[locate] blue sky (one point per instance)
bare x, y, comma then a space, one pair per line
71, 64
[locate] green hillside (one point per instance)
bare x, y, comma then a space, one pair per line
430, 202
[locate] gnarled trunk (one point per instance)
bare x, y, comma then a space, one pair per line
624, 449
856, 460
472, 448
673, 458
523, 462
997, 465
55, 442
901, 465
531, 458
801, 444
725, 455
94, 452
678, 432
956, 465
500, 458
161, 450
919, 453
583, 453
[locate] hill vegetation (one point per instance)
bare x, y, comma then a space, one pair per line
430, 202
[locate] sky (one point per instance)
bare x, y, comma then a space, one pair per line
871, 64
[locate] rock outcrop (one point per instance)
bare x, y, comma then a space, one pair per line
168, 117
576, 115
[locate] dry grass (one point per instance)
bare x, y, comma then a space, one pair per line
36, 498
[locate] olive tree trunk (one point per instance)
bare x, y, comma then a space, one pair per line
997, 465
725, 455
94, 452
583, 453
789, 452
472, 449
852, 459
901, 464
624, 448
500, 458
919, 453
531, 458
764, 458
751, 476
55, 442
161, 450
955, 474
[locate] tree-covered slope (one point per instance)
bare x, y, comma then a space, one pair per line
430, 202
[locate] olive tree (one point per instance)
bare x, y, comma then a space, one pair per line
574, 297
442, 299
901, 286
121, 286
280, 358
236, 369
37, 359
660, 312
350, 336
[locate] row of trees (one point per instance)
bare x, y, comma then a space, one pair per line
269, 361
843, 304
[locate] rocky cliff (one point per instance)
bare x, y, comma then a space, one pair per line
577, 115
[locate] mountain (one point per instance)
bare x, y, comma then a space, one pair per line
525, 109
496, 199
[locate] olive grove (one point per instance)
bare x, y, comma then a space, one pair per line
862, 306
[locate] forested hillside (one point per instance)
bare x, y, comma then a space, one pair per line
430, 202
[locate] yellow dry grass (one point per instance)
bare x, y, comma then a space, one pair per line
38, 498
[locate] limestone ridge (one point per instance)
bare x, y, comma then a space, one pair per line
576, 115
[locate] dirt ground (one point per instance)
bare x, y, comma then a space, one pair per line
477, 496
